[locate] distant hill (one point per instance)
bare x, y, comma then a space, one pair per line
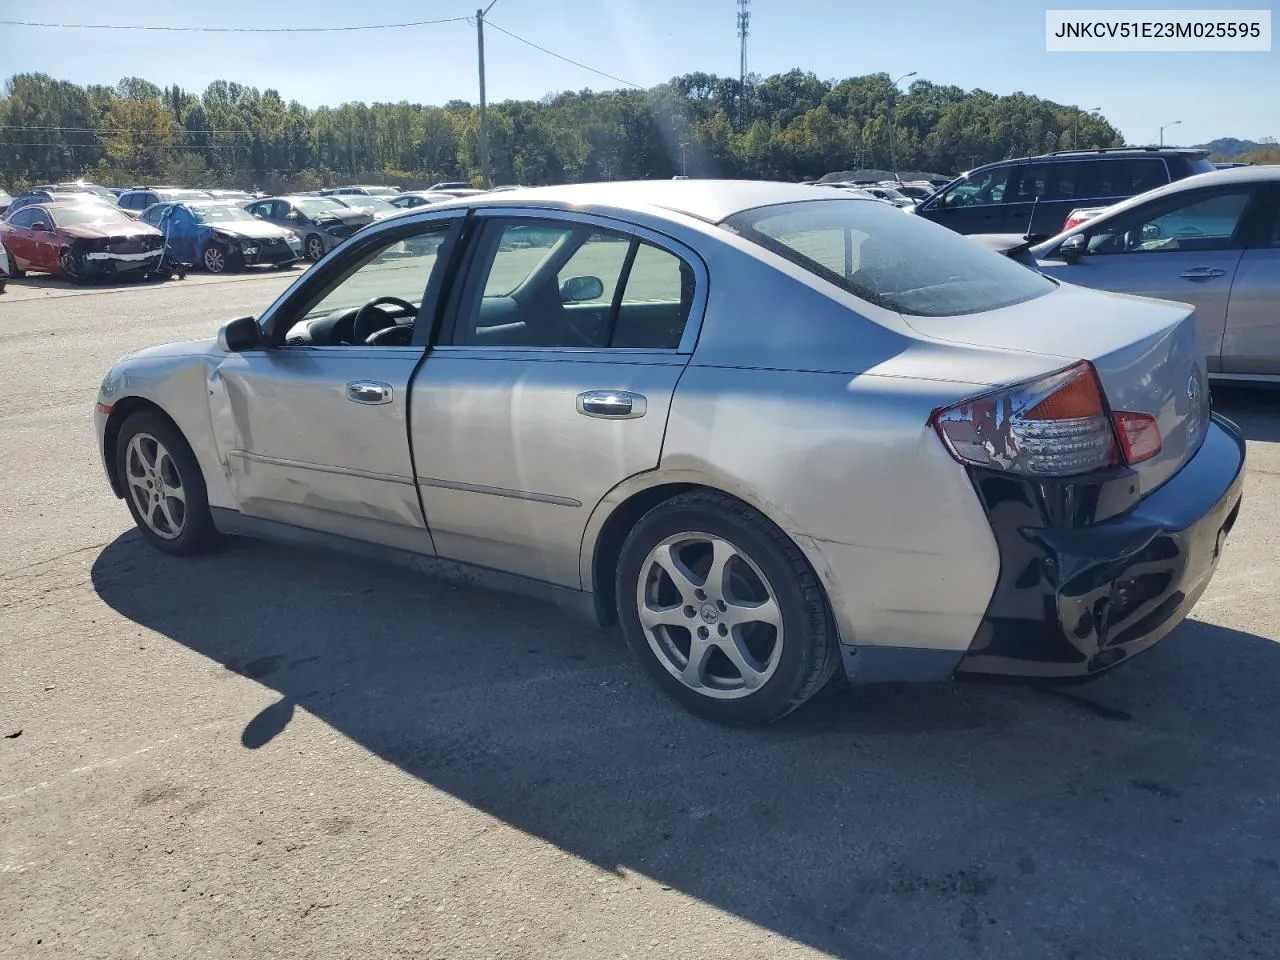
1230, 146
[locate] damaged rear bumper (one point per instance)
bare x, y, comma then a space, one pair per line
1076, 595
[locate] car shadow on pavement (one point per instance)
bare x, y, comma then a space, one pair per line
1256, 410
1134, 816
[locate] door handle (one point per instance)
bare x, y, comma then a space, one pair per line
612, 404
368, 391
1202, 273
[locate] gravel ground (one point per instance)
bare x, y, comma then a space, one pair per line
282, 753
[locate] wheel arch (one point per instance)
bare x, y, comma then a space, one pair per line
621, 509
122, 410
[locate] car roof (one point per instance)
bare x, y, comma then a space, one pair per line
709, 200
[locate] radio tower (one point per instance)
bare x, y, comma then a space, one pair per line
744, 28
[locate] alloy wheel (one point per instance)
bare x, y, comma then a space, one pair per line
215, 261
710, 615
315, 247
155, 486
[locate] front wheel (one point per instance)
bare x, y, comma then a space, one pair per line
314, 247
724, 611
69, 267
163, 485
216, 259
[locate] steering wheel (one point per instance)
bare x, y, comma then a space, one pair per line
400, 335
369, 319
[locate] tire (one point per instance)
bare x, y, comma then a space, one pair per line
190, 532
314, 247
216, 258
68, 268
780, 655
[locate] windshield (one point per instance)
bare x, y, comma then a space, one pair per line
82, 214
898, 262
219, 213
314, 206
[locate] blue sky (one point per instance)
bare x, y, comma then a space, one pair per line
997, 45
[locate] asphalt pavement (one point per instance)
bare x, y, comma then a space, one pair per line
272, 752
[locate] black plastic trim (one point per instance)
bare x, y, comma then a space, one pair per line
1090, 573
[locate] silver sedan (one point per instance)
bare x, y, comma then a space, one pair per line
1213, 241
779, 433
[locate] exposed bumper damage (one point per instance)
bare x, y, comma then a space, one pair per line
1090, 576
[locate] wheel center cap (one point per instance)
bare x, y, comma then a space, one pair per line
709, 613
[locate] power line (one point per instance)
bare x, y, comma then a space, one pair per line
170, 29
559, 56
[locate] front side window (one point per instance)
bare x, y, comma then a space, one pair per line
547, 284
382, 289
1182, 222
984, 187
25, 218
897, 262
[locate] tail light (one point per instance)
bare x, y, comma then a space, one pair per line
1056, 426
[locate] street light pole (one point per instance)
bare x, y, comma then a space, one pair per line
484, 132
1173, 123
893, 99
1075, 141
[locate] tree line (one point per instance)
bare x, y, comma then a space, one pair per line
791, 126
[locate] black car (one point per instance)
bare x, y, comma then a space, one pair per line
322, 222
1034, 195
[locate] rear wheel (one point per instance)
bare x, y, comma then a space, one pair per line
723, 610
163, 485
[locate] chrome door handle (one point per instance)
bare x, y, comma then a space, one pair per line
368, 391
612, 404
1202, 273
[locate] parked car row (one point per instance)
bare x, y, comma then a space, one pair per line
217, 230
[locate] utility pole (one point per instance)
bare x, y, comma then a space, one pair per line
683, 170
744, 28
484, 131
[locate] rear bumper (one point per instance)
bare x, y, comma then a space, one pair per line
1075, 597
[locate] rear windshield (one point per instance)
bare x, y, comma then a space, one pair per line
890, 257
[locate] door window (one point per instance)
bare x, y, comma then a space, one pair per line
1184, 222
984, 187
382, 289
25, 218
540, 284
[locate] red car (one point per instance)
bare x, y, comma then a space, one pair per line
79, 240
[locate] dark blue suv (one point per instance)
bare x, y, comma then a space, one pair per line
1034, 195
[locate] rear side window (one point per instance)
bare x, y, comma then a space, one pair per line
898, 262
1124, 177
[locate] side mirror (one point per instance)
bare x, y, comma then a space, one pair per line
240, 335
1073, 248
580, 289
40, 227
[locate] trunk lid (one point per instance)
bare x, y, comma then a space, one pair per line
1145, 351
